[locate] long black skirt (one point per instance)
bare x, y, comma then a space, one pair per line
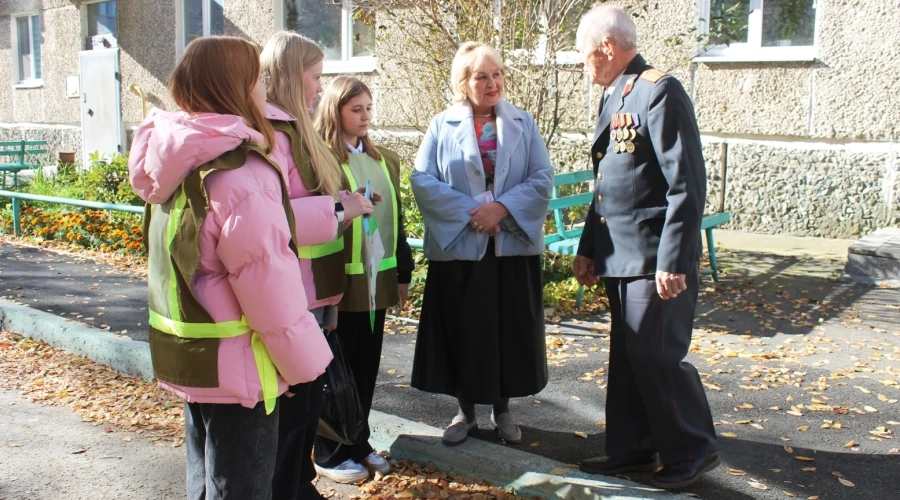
481, 331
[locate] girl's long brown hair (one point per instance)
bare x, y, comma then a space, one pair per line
284, 59
328, 116
216, 74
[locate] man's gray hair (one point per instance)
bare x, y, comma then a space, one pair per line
606, 21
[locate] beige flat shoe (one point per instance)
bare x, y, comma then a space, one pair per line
459, 431
506, 428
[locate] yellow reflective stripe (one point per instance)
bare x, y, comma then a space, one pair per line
223, 330
357, 267
268, 375
322, 249
171, 230
387, 175
356, 253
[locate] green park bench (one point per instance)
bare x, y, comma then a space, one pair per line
13, 155
565, 241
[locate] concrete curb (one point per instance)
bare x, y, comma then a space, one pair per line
528, 474
128, 356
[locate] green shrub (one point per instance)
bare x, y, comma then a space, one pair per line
106, 180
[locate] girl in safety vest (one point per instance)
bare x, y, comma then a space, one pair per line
343, 120
229, 326
292, 65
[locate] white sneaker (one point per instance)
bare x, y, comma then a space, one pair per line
347, 473
376, 463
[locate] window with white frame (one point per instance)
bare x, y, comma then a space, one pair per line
200, 18
759, 29
344, 29
102, 24
27, 36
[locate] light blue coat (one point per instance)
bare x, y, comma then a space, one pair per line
449, 175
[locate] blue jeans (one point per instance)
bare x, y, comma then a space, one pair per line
230, 451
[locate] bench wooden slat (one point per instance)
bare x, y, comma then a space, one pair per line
10, 153
571, 201
572, 234
34, 143
35, 151
710, 221
573, 177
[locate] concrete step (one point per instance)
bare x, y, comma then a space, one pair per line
875, 259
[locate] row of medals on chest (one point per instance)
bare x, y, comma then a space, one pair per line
623, 130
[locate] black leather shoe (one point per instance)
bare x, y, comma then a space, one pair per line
609, 466
681, 474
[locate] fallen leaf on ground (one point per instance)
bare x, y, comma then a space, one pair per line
851, 444
582, 435
809, 469
728, 435
846, 483
869, 409
788, 449
804, 459
756, 484
736, 472
803, 428
535, 444
79, 451
16, 445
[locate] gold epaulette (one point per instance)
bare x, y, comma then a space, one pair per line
652, 75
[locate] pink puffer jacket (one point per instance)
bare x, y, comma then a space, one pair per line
316, 223
246, 266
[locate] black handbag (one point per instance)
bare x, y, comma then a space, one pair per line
342, 418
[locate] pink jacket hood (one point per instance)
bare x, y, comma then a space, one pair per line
273, 112
168, 146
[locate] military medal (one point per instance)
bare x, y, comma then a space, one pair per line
629, 146
613, 127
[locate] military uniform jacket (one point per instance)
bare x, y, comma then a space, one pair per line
649, 196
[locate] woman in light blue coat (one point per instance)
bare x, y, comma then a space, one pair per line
483, 182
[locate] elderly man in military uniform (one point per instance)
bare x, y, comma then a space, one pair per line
642, 237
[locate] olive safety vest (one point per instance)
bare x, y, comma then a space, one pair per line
327, 258
356, 173
184, 340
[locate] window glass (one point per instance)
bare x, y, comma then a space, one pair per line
101, 18
728, 21
24, 59
788, 23
363, 32
319, 20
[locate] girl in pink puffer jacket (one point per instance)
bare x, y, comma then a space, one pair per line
230, 329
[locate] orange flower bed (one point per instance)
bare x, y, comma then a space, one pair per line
88, 228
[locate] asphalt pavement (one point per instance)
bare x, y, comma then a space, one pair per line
801, 370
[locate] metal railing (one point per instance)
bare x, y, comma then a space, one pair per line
17, 208
17, 198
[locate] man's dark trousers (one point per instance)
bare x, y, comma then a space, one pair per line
655, 401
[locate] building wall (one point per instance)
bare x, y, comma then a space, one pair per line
813, 148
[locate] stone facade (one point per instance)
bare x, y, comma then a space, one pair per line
811, 147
